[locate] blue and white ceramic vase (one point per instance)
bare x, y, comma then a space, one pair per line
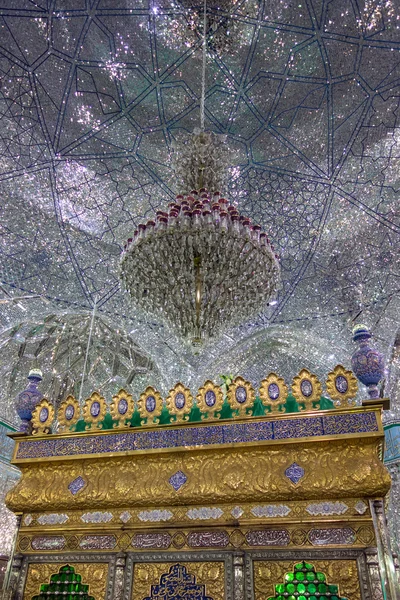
27, 400
368, 363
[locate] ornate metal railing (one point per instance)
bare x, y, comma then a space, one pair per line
236, 397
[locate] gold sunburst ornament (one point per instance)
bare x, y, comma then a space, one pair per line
150, 405
94, 410
306, 388
209, 399
241, 395
342, 386
179, 402
273, 392
42, 417
121, 408
69, 413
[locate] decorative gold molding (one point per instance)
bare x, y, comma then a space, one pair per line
94, 410
179, 402
306, 388
69, 413
355, 510
209, 399
273, 392
121, 408
150, 405
200, 537
42, 417
342, 386
340, 468
241, 395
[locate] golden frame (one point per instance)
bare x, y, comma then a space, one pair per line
116, 415
63, 421
237, 383
180, 413
316, 389
89, 409
40, 425
352, 385
275, 404
146, 414
201, 397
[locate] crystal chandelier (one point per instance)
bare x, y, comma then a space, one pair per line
200, 267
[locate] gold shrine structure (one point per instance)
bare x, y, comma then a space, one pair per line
249, 498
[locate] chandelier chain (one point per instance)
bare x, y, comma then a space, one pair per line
203, 70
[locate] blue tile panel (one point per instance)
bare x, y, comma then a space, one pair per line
6, 443
392, 442
202, 435
295, 473
177, 480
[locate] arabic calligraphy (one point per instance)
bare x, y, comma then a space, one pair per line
178, 584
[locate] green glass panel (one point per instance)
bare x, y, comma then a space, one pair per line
280, 588
291, 598
301, 597
301, 588
310, 576
335, 597
42, 588
308, 566
289, 577
312, 598
322, 588
290, 587
299, 576
299, 566
323, 597
333, 589
280, 597
320, 576
311, 588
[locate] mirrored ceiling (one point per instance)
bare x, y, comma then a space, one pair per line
93, 96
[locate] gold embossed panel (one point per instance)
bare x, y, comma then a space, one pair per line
94, 574
344, 573
331, 470
165, 580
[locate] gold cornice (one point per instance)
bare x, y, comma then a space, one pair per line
376, 408
346, 468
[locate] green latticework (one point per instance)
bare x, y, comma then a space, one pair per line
305, 583
65, 584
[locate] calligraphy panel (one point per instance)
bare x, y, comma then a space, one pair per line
191, 580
